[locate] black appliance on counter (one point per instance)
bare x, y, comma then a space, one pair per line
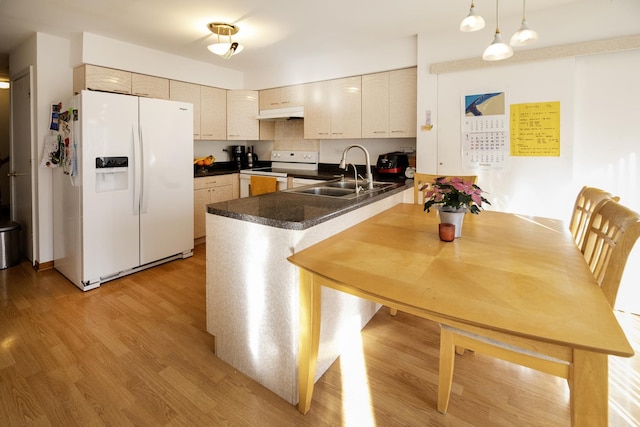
392, 164
238, 156
243, 157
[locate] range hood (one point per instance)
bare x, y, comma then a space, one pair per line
282, 113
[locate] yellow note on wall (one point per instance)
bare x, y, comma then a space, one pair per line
535, 129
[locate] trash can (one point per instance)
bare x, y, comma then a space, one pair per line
9, 244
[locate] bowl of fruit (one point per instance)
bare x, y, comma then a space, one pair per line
202, 163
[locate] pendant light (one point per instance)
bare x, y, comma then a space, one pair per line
498, 49
472, 22
224, 49
524, 35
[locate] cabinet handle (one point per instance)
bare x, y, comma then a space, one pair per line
286, 102
338, 133
380, 131
397, 131
274, 103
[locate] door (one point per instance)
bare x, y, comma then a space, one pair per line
166, 211
110, 202
20, 169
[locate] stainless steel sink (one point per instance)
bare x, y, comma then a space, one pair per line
344, 189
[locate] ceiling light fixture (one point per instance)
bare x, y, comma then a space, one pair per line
524, 35
224, 49
472, 22
498, 49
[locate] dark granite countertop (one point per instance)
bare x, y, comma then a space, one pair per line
293, 211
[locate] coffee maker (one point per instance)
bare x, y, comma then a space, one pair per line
238, 156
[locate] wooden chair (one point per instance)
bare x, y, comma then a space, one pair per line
611, 234
419, 179
586, 202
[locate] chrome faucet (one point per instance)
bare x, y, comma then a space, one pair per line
343, 162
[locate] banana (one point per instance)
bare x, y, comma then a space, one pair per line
204, 161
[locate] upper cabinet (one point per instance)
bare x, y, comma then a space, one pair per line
403, 103
149, 86
317, 110
389, 104
105, 79
213, 113
333, 109
188, 92
100, 78
346, 108
242, 112
282, 97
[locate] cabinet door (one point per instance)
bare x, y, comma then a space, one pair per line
200, 201
221, 194
292, 96
242, 112
317, 110
149, 86
375, 105
346, 108
188, 92
403, 103
213, 113
270, 99
100, 78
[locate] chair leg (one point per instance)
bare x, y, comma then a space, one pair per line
393, 311
445, 376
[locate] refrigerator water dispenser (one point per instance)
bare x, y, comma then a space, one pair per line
112, 173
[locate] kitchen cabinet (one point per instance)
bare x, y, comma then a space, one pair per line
187, 92
389, 104
317, 110
242, 112
282, 97
346, 108
149, 86
213, 113
211, 189
333, 109
93, 77
403, 103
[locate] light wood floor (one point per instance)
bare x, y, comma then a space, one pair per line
135, 352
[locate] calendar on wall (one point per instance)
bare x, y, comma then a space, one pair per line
485, 131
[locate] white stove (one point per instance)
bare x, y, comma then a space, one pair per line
283, 163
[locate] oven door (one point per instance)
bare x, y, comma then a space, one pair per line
245, 182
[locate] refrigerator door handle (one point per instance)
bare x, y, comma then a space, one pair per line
143, 153
136, 178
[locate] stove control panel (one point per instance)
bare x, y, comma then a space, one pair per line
309, 157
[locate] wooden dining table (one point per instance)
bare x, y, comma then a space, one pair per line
516, 275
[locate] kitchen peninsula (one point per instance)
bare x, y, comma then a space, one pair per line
253, 291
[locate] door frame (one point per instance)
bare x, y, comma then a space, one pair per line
26, 73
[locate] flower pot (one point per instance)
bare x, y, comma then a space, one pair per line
454, 217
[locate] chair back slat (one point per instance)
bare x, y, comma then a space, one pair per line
586, 202
609, 238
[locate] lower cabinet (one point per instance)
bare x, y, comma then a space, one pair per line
211, 189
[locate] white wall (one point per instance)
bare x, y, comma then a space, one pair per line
523, 185
599, 111
312, 68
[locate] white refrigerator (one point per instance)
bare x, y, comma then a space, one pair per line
130, 205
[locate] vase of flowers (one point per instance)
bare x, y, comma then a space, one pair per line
453, 197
